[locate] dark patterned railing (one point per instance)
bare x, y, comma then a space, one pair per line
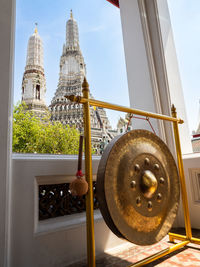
56, 200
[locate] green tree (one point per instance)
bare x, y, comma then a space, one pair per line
39, 135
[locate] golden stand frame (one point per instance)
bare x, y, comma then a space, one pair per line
86, 101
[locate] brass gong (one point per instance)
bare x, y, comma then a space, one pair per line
138, 187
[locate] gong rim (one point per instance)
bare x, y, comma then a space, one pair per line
140, 217
101, 192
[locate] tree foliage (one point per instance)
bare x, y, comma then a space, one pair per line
39, 135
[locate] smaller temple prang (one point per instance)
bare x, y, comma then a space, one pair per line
34, 83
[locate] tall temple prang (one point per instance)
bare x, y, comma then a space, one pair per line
34, 83
71, 75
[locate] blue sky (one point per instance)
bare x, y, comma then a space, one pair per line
185, 18
102, 47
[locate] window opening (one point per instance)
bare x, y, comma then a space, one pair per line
46, 82
38, 91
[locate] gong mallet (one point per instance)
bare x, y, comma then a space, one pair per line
79, 186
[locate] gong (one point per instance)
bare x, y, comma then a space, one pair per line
138, 187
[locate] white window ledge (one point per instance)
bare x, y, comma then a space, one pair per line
64, 223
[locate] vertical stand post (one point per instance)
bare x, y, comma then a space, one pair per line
182, 176
88, 174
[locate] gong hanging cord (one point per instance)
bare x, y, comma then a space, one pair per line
140, 118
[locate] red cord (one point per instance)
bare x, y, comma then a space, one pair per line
79, 174
140, 118
151, 125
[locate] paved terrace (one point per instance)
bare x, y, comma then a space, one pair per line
128, 254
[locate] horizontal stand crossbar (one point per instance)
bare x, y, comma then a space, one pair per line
102, 104
173, 237
160, 254
168, 250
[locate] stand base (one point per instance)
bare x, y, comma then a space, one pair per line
168, 250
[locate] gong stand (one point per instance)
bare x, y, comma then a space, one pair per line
87, 102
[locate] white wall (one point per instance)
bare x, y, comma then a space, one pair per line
52, 242
7, 16
192, 173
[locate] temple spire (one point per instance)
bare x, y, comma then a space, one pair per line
71, 14
72, 35
35, 50
36, 30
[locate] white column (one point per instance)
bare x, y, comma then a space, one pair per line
172, 72
7, 15
152, 71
